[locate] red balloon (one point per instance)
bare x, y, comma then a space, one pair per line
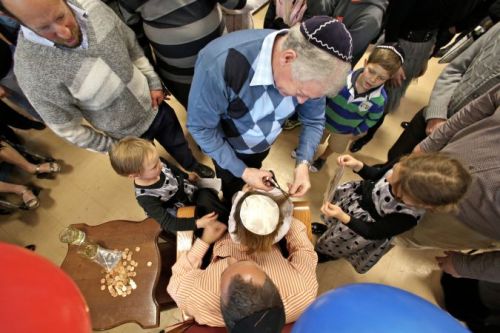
37, 296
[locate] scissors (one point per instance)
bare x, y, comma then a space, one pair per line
274, 183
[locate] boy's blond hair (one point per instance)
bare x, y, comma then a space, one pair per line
433, 179
389, 57
128, 155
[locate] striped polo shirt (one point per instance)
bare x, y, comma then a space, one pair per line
352, 113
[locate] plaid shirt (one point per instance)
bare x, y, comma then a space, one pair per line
234, 105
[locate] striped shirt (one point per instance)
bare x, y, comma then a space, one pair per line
178, 30
197, 292
352, 113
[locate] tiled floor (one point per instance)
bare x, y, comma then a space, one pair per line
89, 192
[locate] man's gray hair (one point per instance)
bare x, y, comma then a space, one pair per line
313, 63
245, 298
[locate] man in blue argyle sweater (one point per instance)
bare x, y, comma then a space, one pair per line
247, 83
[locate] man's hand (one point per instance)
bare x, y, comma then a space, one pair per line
3, 92
206, 220
433, 124
281, 9
332, 210
397, 78
157, 98
350, 162
301, 183
256, 178
446, 264
213, 231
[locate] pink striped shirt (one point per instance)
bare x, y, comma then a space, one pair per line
197, 291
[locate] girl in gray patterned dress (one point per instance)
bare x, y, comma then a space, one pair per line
365, 215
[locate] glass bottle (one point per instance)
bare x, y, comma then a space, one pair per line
72, 235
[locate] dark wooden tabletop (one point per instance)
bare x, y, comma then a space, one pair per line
140, 306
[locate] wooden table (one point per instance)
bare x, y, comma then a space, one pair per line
140, 306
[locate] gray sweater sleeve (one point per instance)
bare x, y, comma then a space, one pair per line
137, 55
480, 108
449, 79
484, 266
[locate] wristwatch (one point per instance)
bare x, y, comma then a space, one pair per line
306, 162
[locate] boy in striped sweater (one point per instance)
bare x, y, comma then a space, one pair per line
360, 104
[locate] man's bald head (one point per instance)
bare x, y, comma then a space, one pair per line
50, 19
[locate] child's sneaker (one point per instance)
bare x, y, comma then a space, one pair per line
290, 124
317, 165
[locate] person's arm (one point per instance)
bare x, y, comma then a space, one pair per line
303, 259
385, 227
483, 266
186, 274
207, 104
312, 117
63, 117
137, 55
374, 173
154, 208
473, 112
450, 78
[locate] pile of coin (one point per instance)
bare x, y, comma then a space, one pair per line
119, 281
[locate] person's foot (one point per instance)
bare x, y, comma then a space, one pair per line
318, 228
290, 124
30, 199
203, 171
317, 165
356, 146
405, 124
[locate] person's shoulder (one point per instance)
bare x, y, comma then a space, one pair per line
239, 40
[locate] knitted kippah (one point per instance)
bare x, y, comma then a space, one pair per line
394, 47
328, 34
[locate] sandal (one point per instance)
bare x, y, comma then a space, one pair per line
54, 167
30, 203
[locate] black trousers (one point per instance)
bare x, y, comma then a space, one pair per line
232, 184
168, 131
207, 201
411, 136
179, 90
462, 301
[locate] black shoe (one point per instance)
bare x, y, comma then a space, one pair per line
357, 146
317, 165
323, 257
318, 228
203, 171
405, 124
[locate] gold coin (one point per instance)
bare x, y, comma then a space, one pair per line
103, 287
103, 280
137, 249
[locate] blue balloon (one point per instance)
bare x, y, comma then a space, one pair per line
374, 308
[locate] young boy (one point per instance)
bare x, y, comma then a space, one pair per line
360, 104
161, 188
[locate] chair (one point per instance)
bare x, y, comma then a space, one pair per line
301, 211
